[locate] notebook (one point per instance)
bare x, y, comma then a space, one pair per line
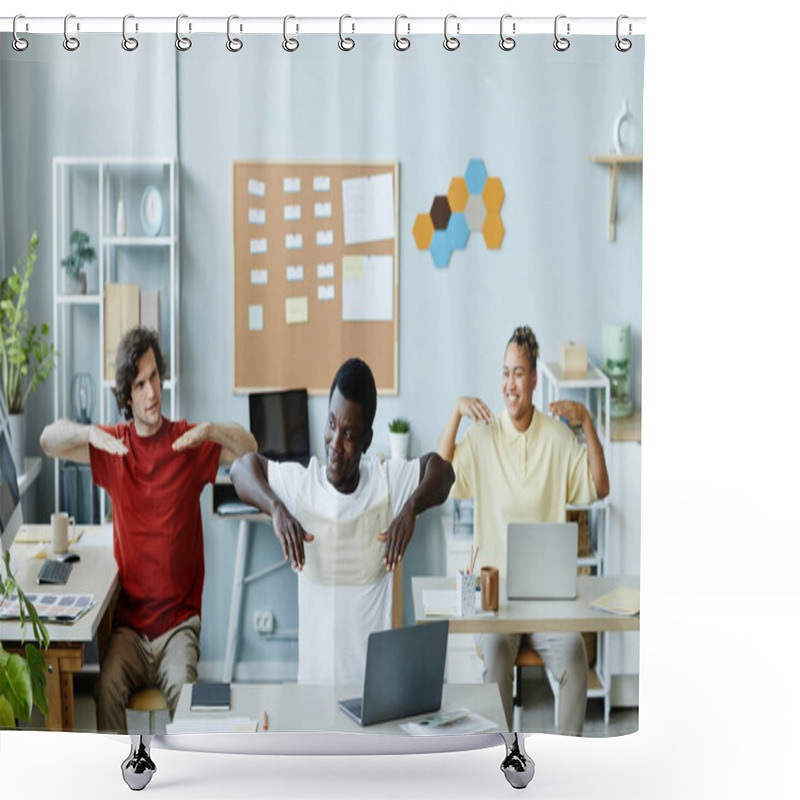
211, 697
404, 674
542, 560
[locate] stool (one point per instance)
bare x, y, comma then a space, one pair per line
147, 712
528, 657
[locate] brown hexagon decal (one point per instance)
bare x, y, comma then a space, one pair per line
440, 212
423, 231
493, 195
493, 231
458, 194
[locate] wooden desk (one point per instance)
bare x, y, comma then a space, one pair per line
302, 707
529, 616
95, 573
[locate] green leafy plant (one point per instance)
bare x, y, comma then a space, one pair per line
26, 358
79, 254
22, 678
399, 425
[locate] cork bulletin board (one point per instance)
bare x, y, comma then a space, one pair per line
316, 275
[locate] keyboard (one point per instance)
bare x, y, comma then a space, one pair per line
54, 572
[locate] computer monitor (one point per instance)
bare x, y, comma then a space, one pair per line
10, 508
279, 422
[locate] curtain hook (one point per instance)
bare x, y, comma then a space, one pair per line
71, 43
345, 42
128, 42
18, 43
623, 45
183, 43
451, 42
234, 45
561, 43
507, 42
401, 42
289, 45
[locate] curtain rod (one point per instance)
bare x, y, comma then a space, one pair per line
299, 25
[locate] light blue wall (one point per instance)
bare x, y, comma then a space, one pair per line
533, 115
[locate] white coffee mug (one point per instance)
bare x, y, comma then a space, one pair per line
60, 522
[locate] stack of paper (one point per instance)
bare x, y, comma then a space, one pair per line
215, 725
623, 601
449, 723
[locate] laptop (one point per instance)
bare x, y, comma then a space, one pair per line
404, 674
279, 423
542, 560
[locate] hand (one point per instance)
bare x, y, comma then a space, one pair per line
475, 409
575, 413
101, 440
291, 534
194, 437
398, 536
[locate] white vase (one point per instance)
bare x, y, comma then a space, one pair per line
398, 444
121, 226
16, 427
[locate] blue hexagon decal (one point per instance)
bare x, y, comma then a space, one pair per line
458, 231
441, 249
475, 176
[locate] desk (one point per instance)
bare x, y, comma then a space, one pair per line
302, 707
95, 573
529, 616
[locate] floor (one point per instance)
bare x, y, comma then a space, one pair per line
537, 713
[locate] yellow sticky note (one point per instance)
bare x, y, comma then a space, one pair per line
296, 310
353, 268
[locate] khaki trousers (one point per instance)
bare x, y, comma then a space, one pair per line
134, 662
564, 654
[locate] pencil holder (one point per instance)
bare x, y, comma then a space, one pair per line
465, 594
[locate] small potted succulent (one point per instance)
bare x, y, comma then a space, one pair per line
398, 438
80, 253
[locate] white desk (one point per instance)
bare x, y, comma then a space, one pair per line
300, 707
95, 573
528, 616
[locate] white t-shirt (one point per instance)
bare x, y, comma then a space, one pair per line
335, 621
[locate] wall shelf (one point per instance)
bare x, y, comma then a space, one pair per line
614, 162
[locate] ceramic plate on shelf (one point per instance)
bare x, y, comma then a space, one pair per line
152, 211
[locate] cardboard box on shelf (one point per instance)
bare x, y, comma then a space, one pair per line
121, 314
572, 359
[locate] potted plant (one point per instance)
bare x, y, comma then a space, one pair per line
398, 437
26, 357
22, 677
79, 254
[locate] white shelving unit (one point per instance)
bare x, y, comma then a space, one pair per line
86, 192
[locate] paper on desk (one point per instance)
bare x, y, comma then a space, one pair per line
213, 725
623, 602
103, 538
42, 533
442, 603
449, 723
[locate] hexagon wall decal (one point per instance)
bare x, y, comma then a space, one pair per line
493, 231
423, 231
475, 212
458, 231
440, 212
441, 249
458, 194
493, 195
472, 204
475, 176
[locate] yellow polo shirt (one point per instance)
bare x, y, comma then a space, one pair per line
515, 476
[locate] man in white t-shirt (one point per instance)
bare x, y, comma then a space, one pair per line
345, 526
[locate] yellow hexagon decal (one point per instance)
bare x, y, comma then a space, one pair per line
493, 231
458, 194
493, 195
423, 231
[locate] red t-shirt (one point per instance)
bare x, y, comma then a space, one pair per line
158, 526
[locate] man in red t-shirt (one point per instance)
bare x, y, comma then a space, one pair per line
154, 471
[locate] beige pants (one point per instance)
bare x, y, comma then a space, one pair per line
134, 662
564, 654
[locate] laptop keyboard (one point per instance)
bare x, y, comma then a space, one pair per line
55, 572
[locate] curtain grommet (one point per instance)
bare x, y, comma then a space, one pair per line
182, 43
289, 44
507, 43
346, 43
401, 43
71, 43
451, 43
129, 43
233, 44
18, 43
623, 45
561, 43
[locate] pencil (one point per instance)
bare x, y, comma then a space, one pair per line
266, 721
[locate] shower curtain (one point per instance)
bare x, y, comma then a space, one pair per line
259, 205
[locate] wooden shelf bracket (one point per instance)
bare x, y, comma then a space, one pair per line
614, 162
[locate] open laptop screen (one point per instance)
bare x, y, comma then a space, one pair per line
279, 422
